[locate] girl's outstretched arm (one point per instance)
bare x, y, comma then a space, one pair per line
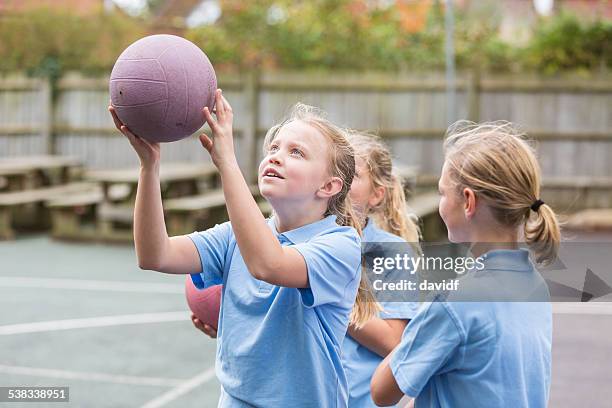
154, 249
264, 256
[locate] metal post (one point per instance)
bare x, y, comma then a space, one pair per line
450, 63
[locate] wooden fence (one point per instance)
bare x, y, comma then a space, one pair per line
570, 118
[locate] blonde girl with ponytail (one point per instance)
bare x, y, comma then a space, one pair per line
493, 353
290, 281
378, 197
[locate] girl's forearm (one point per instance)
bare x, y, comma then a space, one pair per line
150, 236
383, 386
379, 335
258, 246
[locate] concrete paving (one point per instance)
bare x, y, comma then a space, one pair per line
85, 316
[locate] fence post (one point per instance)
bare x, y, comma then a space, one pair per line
249, 138
46, 130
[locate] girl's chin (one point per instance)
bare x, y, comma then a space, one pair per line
268, 193
456, 238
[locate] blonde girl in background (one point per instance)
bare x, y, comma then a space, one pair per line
289, 282
378, 197
486, 353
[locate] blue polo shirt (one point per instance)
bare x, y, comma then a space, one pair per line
480, 354
359, 362
279, 346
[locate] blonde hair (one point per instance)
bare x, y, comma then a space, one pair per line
391, 213
342, 165
495, 161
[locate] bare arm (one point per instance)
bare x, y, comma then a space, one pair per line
383, 387
154, 249
379, 335
265, 257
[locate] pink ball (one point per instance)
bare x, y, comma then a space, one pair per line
159, 86
205, 304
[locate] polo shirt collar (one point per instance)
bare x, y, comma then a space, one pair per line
305, 232
508, 260
369, 227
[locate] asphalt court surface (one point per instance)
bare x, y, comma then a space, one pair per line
85, 316
116, 335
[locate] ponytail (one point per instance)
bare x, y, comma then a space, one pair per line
391, 214
395, 218
542, 234
366, 306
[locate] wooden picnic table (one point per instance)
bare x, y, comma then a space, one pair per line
114, 213
28, 172
177, 179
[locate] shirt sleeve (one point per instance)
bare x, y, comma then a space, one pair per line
401, 304
212, 246
333, 262
399, 310
431, 341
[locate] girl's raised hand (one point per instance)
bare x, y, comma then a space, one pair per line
148, 152
221, 144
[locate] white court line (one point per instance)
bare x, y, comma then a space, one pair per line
84, 284
181, 390
104, 321
595, 308
90, 376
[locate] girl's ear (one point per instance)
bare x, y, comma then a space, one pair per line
469, 202
378, 194
331, 187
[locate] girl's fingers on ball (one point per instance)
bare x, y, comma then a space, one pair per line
118, 123
126, 131
134, 140
206, 142
209, 119
210, 331
219, 104
197, 323
228, 107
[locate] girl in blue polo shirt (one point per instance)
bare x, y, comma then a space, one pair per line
458, 352
378, 198
289, 283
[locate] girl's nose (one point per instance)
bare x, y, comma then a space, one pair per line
275, 158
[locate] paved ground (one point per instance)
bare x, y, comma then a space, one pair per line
86, 317
127, 341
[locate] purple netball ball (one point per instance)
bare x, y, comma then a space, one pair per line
159, 86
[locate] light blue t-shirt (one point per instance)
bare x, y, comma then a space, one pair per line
279, 346
480, 354
359, 362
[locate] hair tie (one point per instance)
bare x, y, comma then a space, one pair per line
536, 205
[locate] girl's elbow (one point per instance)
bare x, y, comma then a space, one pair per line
264, 271
257, 274
382, 400
382, 392
377, 396
260, 273
149, 264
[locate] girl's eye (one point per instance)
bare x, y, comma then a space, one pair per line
273, 148
297, 151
